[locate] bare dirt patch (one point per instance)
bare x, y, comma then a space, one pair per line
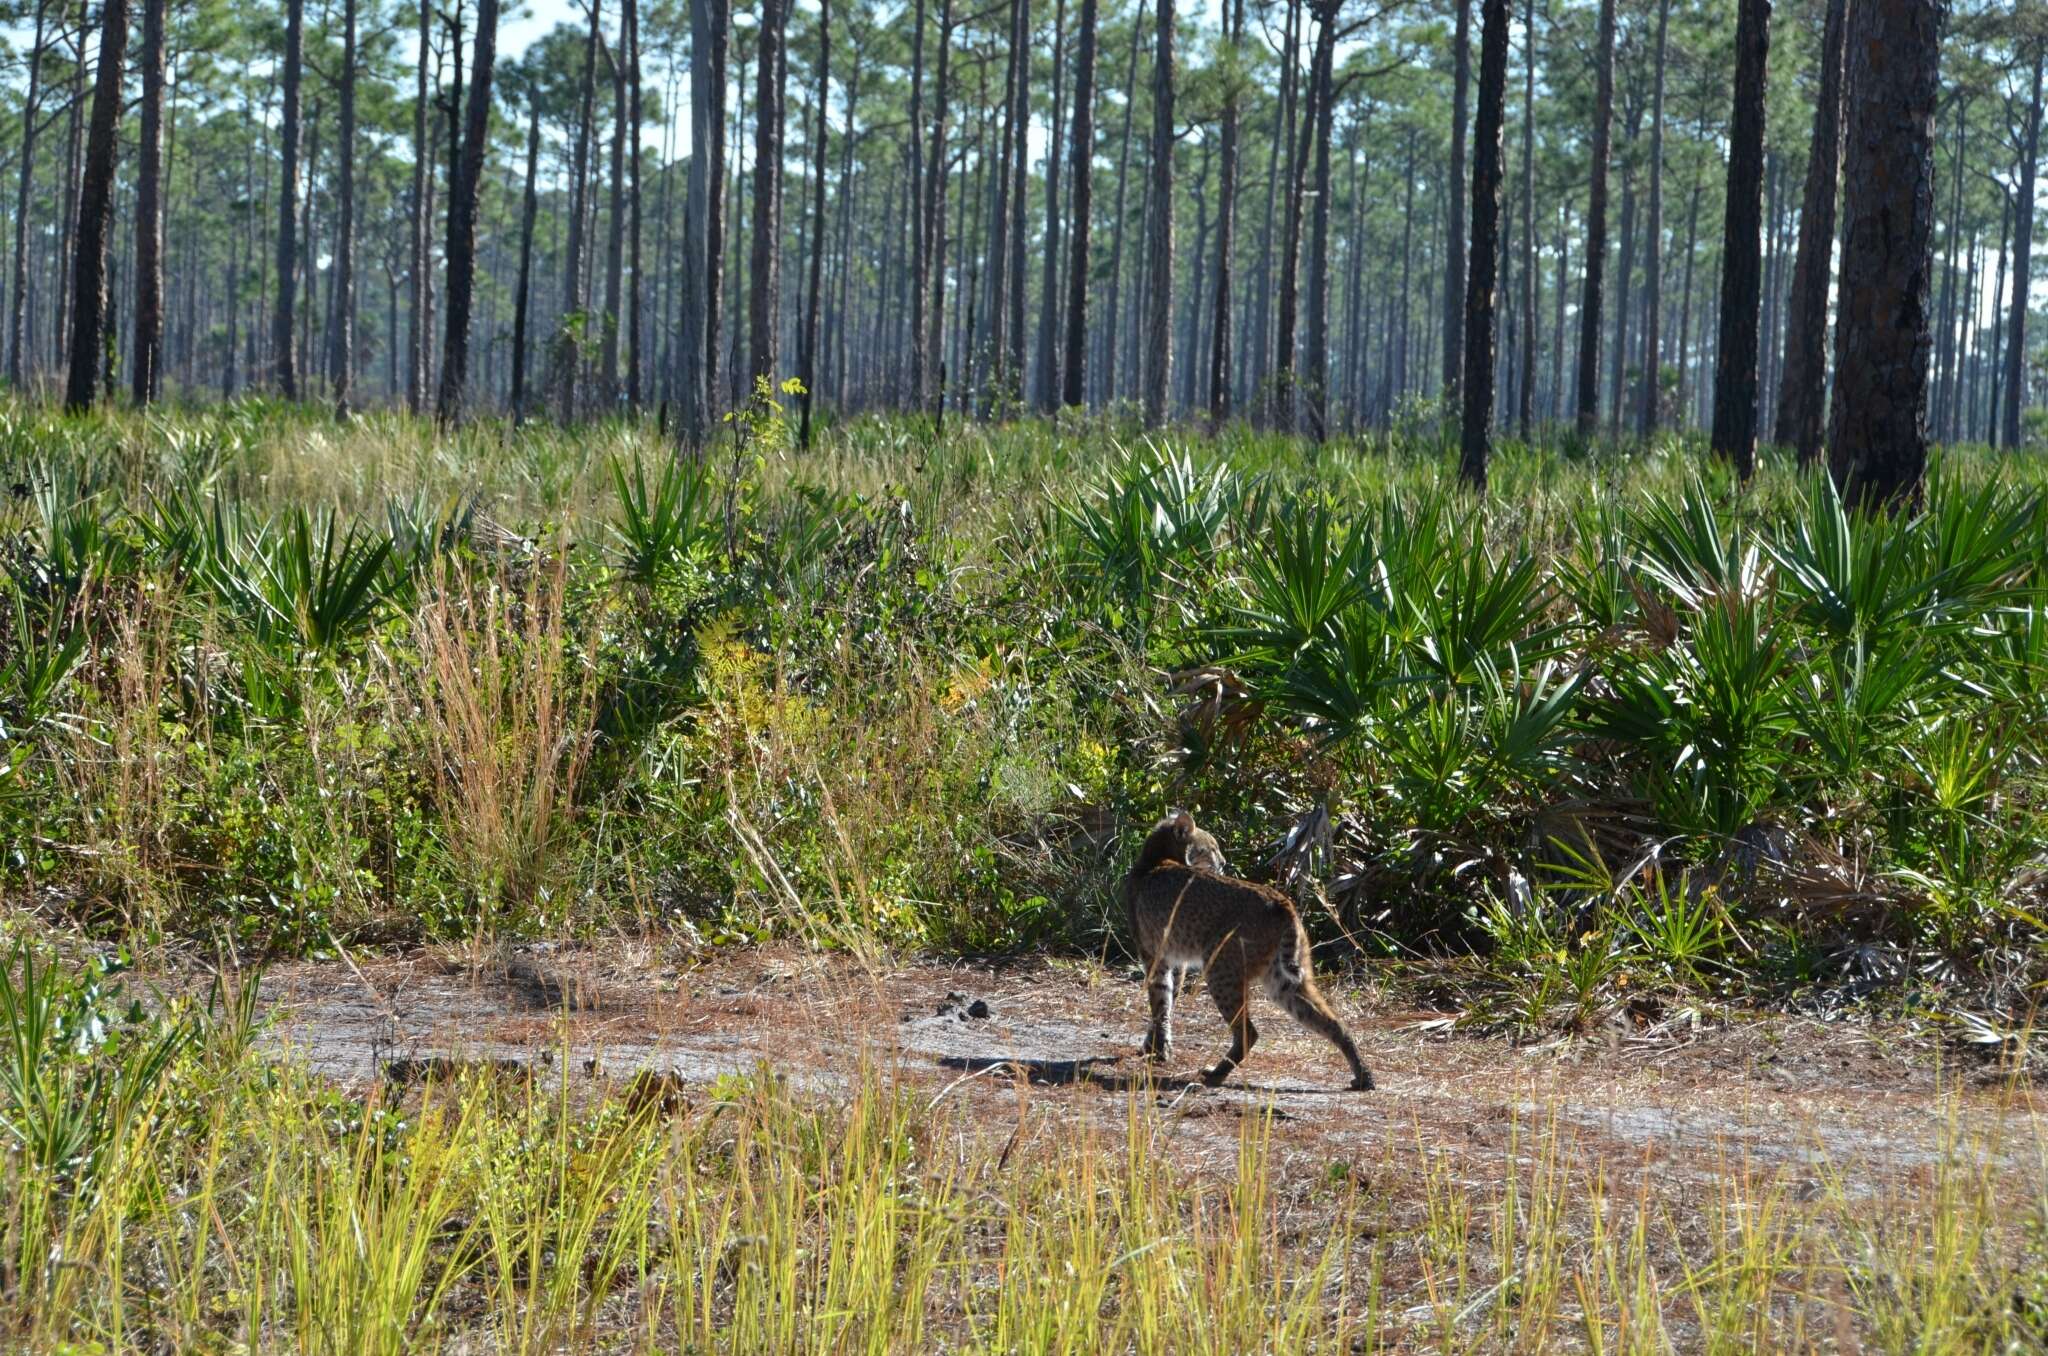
1855, 1105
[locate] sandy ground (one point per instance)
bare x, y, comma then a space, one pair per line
1855, 1105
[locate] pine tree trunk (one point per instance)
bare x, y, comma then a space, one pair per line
720, 22
764, 262
1877, 431
1476, 432
920, 239
1318, 355
1454, 249
1117, 221
1073, 383
283, 335
566, 356
522, 296
1046, 374
1624, 284
1226, 228
629, 29
1653, 244
1588, 407
462, 208
95, 203
816, 299
1020, 128
1802, 388
1997, 366
1286, 393
615, 230
31, 109
342, 371
696, 287
1159, 248
1525, 414
934, 281
416, 355
1735, 353
2022, 261
992, 352
149, 212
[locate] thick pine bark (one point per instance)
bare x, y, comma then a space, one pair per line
2015, 380
715, 207
935, 203
696, 289
1476, 432
1286, 393
817, 281
1112, 314
991, 354
629, 31
1877, 432
1226, 229
149, 212
567, 355
615, 230
1073, 383
1735, 355
920, 239
1045, 375
95, 210
1802, 386
1159, 251
1454, 249
1588, 406
522, 296
764, 266
1318, 354
1020, 124
342, 369
283, 320
1525, 414
462, 205
1653, 242
416, 352
31, 109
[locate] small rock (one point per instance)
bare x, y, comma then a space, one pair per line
978, 1010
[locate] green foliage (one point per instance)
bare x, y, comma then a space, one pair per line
893, 691
659, 526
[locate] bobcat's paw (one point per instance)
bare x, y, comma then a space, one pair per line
1216, 1073
1362, 1082
1157, 1051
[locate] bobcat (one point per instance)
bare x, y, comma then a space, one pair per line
1185, 913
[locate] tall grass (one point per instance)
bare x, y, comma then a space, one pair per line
200, 1196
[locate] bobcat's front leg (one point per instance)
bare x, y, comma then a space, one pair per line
1159, 986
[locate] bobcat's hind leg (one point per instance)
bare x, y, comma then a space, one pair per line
1297, 993
1227, 987
1159, 989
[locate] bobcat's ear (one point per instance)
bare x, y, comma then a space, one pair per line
1184, 821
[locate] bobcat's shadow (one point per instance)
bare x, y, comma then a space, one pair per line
1054, 1072
1060, 1073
